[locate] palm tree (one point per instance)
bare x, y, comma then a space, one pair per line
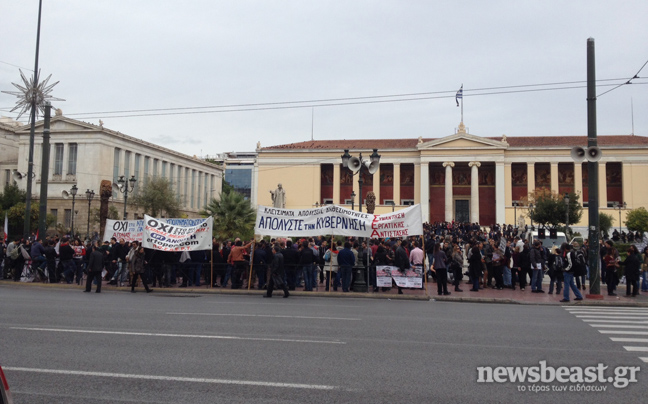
233, 216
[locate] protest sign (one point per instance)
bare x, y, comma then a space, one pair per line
333, 219
177, 234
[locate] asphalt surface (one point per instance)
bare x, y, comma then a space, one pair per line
58, 345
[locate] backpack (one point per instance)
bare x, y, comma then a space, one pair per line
580, 259
559, 264
14, 253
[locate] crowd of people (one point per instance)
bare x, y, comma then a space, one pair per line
498, 257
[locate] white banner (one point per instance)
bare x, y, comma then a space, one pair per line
177, 234
412, 278
336, 220
129, 230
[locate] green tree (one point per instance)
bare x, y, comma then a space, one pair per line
227, 188
157, 198
637, 220
550, 208
605, 222
233, 216
11, 196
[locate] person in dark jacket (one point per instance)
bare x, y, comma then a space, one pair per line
475, 264
137, 270
570, 269
291, 260
632, 271
440, 270
346, 261
50, 256
307, 261
277, 273
260, 263
95, 266
66, 253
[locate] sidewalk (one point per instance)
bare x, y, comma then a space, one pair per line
487, 295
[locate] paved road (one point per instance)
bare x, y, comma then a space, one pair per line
64, 346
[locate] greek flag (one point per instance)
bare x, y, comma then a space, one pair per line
459, 95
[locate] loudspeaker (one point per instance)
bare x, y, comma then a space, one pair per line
65, 194
115, 187
593, 154
578, 154
17, 175
372, 166
354, 164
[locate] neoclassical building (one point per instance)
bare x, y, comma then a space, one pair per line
460, 177
84, 154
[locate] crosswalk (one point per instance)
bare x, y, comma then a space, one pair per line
627, 325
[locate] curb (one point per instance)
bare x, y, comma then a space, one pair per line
375, 296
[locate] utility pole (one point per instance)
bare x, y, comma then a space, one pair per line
594, 259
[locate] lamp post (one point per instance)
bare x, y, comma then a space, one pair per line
90, 195
619, 206
531, 215
73, 192
353, 195
356, 164
393, 204
515, 205
125, 187
566, 199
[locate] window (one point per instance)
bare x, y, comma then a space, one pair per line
164, 169
177, 179
199, 190
72, 158
155, 167
58, 159
67, 218
136, 169
193, 187
327, 201
407, 202
54, 212
127, 158
186, 186
147, 161
116, 169
389, 202
7, 177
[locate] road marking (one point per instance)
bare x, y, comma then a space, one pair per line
623, 332
594, 308
644, 359
636, 348
615, 321
615, 317
174, 379
267, 315
619, 326
607, 313
148, 334
641, 340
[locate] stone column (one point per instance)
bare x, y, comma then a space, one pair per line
578, 180
396, 182
530, 177
603, 200
425, 192
554, 177
474, 191
500, 206
448, 190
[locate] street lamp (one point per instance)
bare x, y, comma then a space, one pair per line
531, 215
566, 199
353, 195
73, 192
356, 164
392, 203
125, 187
90, 195
515, 205
618, 206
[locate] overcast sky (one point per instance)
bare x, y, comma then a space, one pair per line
142, 55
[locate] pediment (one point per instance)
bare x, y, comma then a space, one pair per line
463, 141
63, 124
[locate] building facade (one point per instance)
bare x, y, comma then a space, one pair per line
461, 177
84, 154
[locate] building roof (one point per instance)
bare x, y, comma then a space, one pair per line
513, 141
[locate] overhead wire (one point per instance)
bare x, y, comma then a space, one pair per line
636, 76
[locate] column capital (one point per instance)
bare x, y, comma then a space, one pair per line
474, 164
449, 164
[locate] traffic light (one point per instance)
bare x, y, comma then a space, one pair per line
553, 234
541, 234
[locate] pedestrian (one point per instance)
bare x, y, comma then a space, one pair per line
439, 264
611, 262
644, 270
277, 273
475, 265
137, 270
632, 271
456, 264
570, 269
346, 261
537, 266
66, 253
95, 266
